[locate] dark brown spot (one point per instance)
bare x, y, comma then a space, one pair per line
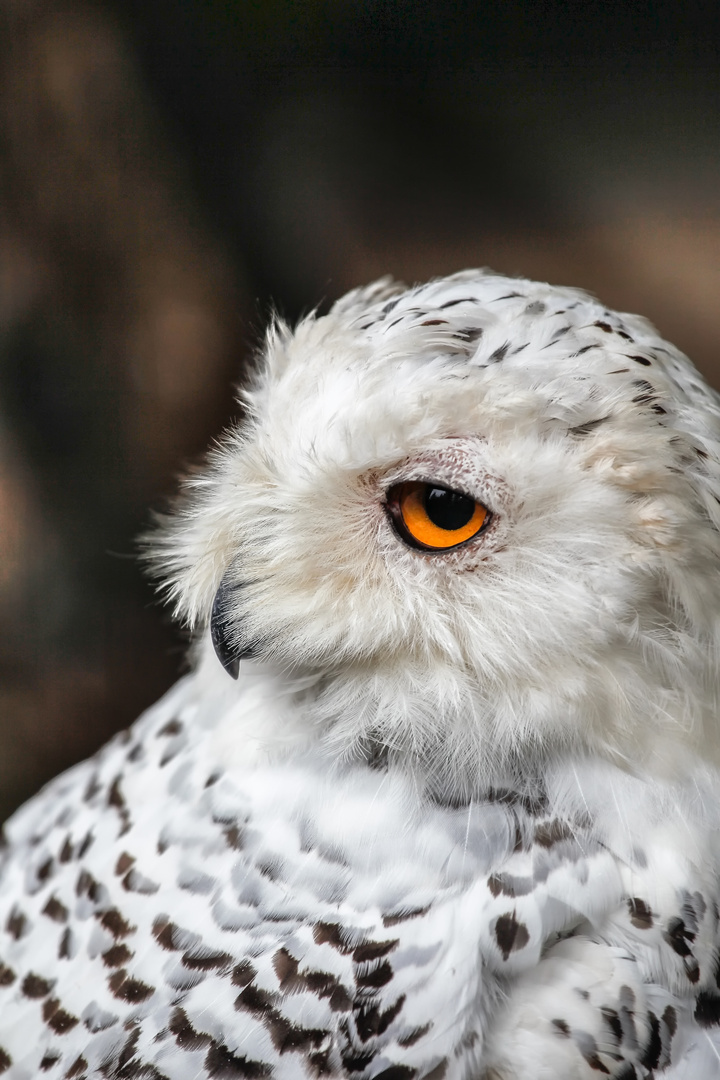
320, 983
124, 863
44, 871
355, 1062
469, 334
116, 955
612, 1020
585, 348
497, 887
5, 1060
173, 727
7, 975
135, 752
562, 1027
185, 1034
78, 1066
647, 392
320, 1063
581, 430
65, 946
499, 354
376, 977
127, 989
677, 936
396, 1072
254, 1000
589, 1050
669, 1019
113, 921
66, 852
604, 326
641, 360
134, 881
163, 931
55, 910
235, 837
56, 1018
224, 1065
640, 914
434, 322
707, 1009
92, 788
414, 1036
199, 961
651, 1055
86, 885
85, 844
549, 833
33, 986
129, 1049
452, 303
285, 1036
510, 934
243, 973
17, 924
371, 1021
339, 1000
373, 950
49, 1060
115, 795
404, 916
331, 934
117, 799
286, 969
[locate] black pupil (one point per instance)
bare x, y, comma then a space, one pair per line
448, 509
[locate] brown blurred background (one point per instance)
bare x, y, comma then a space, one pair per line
171, 168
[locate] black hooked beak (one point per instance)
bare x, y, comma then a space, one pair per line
227, 653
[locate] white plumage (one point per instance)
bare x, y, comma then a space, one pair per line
457, 816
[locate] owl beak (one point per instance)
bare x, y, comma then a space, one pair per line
228, 653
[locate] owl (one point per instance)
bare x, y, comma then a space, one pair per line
439, 798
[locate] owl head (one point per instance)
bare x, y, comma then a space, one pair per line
472, 525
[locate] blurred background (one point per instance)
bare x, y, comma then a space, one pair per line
170, 169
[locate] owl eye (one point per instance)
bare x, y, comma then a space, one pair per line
434, 518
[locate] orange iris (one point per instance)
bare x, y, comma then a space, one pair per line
434, 518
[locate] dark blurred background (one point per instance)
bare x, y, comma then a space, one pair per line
169, 169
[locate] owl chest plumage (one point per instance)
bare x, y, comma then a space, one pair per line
158, 908
164, 912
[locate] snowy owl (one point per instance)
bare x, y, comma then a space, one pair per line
440, 798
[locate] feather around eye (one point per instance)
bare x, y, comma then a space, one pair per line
434, 518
